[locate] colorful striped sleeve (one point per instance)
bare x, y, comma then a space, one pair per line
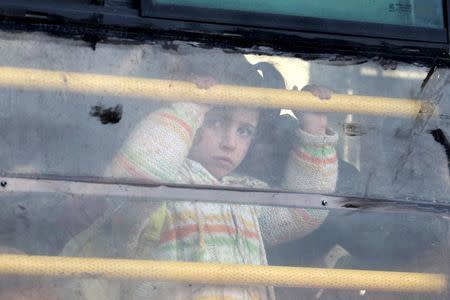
282, 224
312, 167
159, 145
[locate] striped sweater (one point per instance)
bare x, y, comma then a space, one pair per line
209, 232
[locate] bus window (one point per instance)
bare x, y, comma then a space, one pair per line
139, 171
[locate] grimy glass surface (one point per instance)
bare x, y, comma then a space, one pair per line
420, 13
84, 121
101, 126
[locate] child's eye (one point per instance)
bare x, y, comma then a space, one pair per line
246, 132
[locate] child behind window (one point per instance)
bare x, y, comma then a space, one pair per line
190, 143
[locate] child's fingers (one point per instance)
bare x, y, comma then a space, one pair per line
204, 82
321, 92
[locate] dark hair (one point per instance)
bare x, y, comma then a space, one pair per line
261, 159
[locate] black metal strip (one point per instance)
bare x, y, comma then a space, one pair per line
99, 23
293, 23
446, 4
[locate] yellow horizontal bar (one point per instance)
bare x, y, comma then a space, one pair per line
166, 90
207, 273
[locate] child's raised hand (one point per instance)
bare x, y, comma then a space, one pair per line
321, 92
314, 123
203, 82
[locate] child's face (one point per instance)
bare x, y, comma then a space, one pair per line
223, 141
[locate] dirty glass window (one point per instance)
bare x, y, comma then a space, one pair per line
153, 154
419, 13
408, 250
178, 114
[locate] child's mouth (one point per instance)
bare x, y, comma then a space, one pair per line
223, 160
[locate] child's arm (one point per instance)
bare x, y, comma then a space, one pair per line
312, 163
158, 146
311, 167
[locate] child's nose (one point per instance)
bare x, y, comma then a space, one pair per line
323, 120
229, 140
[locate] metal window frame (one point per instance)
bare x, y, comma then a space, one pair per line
143, 190
101, 23
98, 20
293, 23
